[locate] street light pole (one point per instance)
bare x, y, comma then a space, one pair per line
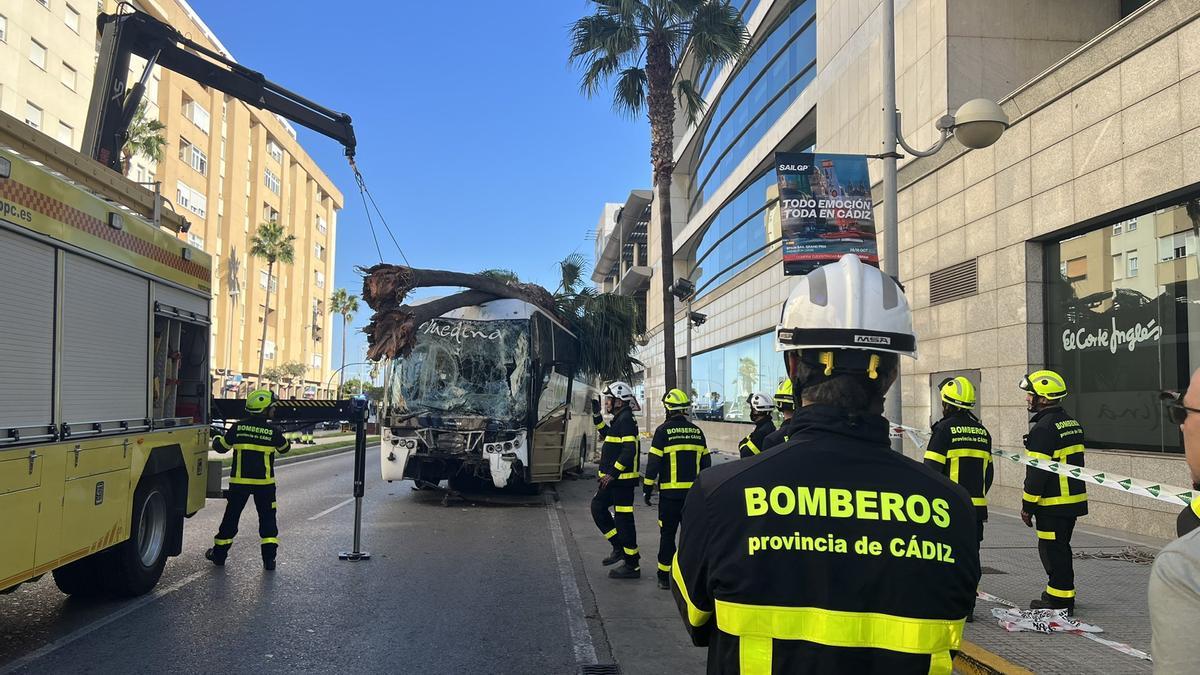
891, 230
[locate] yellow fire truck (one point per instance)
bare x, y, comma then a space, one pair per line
104, 331
104, 361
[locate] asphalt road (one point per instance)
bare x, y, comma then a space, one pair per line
450, 589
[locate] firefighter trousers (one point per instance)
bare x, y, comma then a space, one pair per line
1054, 548
670, 513
618, 529
268, 526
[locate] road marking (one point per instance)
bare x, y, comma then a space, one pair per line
333, 508
100, 623
581, 637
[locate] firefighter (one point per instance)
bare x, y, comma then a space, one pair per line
254, 442
785, 403
1052, 502
678, 453
761, 407
831, 553
960, 447
618, 477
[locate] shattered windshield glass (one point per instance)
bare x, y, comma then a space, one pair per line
462, 367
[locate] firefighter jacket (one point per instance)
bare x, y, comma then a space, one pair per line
779, 436
961, 449
254, 442
1189, 517
677, 454
829, 554
756, 441
619, 456
1054, 437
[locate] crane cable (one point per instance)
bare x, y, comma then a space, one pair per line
365, 194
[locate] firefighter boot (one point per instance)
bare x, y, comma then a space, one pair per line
615, 557
664, 581
625, 572
216, 556
1048, 601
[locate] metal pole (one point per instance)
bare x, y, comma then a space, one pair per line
893, 409
688, 358
360, 464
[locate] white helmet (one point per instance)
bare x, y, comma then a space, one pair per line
847, 305
761, 403
619, 390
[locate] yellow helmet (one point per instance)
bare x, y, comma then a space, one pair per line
676, 399
1045, 383
259, 400
784, 399
958, 392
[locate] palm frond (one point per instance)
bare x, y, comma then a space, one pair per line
690, 100
716, 33
629, 96
271, 243
502, 275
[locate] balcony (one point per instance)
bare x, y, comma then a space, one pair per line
1177, 270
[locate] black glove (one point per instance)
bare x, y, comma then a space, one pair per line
595, 406
646, 494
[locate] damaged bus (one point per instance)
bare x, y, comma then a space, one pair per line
491, 394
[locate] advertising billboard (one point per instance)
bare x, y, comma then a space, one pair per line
826, 209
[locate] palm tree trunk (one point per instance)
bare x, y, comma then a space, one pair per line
262, 348
342, 371
392, 333
661, 107
386, 286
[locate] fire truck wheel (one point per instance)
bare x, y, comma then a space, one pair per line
81, 579
136, 564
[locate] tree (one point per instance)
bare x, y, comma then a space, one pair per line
640, 45
341, 302
605, 323
145, 139
272, 244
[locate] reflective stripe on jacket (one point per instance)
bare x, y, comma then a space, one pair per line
678, 453
960, 448
619, 455
1054, 437
756, 441
254, 442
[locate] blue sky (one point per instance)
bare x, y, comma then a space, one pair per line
472, 134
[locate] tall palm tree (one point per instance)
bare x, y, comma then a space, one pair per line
640, 46
341, 302
273, 244
145, 139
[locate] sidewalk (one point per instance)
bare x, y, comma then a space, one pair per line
644, 631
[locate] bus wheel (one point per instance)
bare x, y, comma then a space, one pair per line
82, 578
136, 564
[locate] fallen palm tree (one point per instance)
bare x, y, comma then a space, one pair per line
606, 324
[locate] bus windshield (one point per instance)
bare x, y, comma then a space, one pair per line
464, 368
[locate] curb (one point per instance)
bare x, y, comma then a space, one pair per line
975, 660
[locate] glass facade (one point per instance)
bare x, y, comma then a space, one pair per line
722, 378
743, 225
1119, 313
704, 79
765, 84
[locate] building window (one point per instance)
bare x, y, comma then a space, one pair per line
1119, 341
197, 114
33, 115
3, 28
320, 279
69, 76
321, 226
37, 54
262, 281
1131, 226
271, 181
190, 199
317, 360
269, 349
1118, 266
1117, 229
71, 18
269, 214
196, 240
319, 251
192, 156
723, 378
66, 135
274, 150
